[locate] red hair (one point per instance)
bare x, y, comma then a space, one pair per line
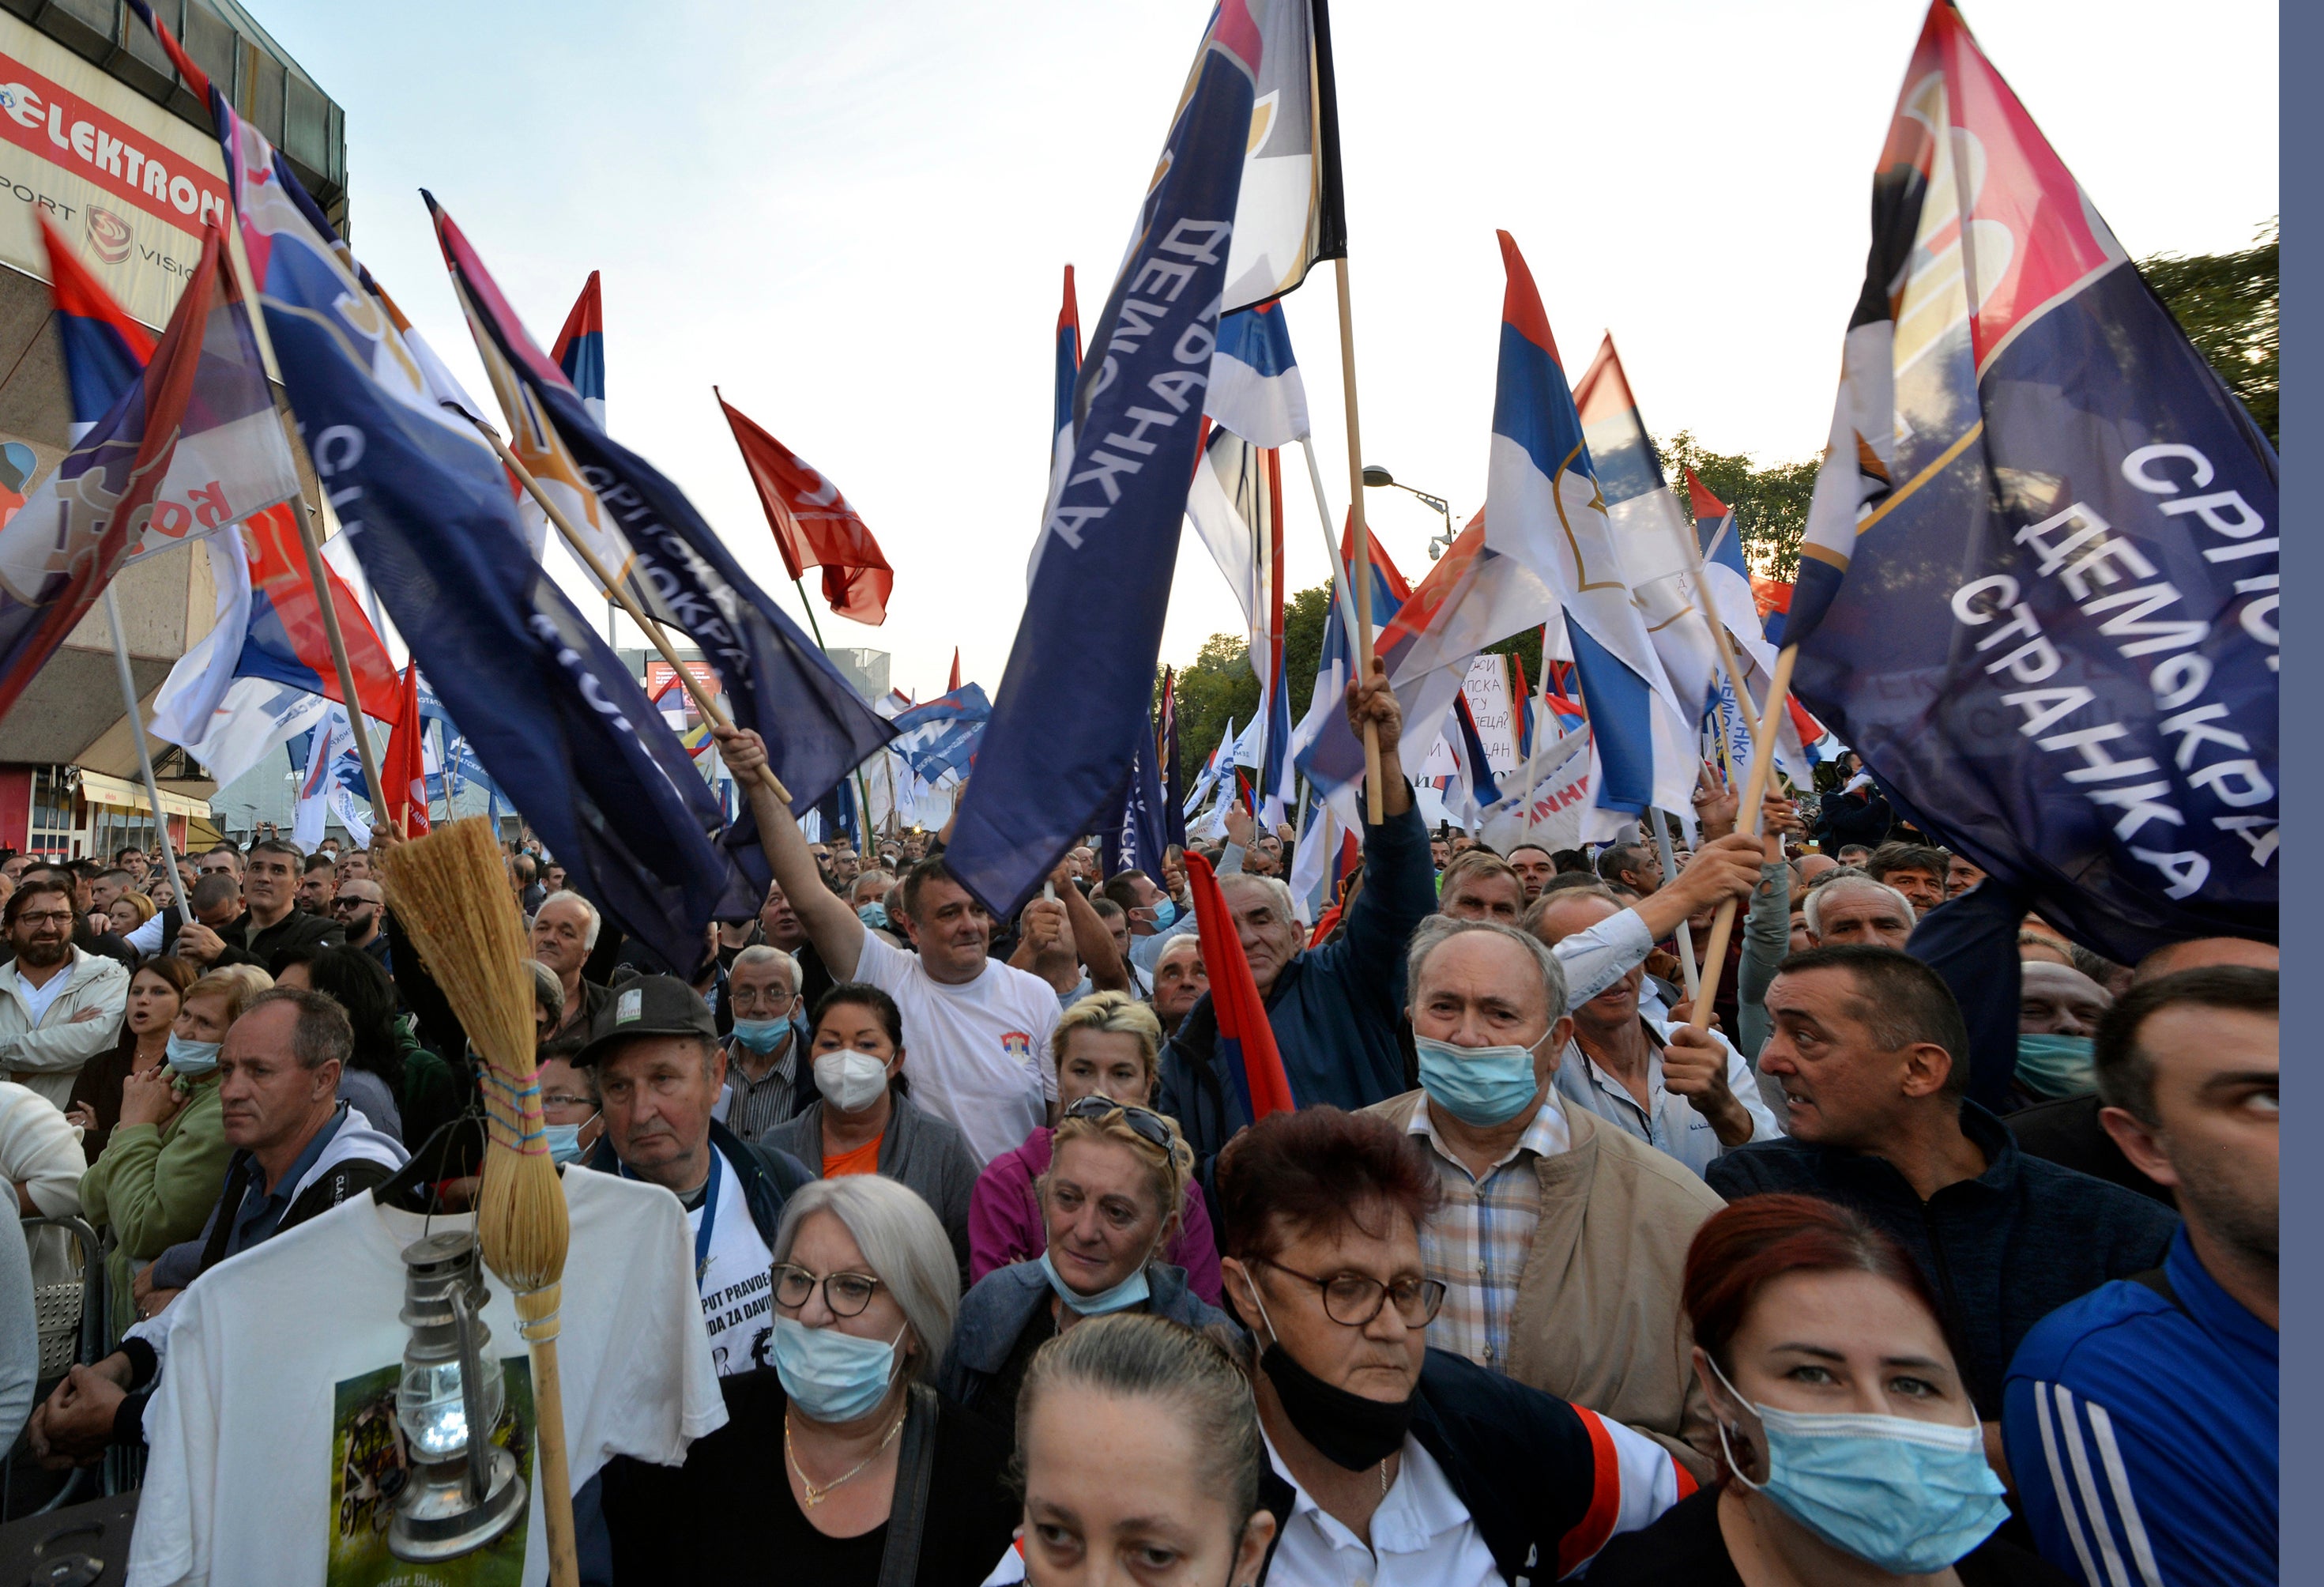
1317, 1169
1743, 1247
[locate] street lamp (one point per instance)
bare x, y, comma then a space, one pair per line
1374, 475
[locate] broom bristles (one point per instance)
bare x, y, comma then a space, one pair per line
451, 896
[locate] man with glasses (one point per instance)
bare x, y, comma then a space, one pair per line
654, 1046
60, 1006
1560, 1240
1388, 1462
357, 909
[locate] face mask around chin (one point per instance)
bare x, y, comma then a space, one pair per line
1347, 1429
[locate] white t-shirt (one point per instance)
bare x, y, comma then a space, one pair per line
37, 999
737, 1287
979, 1054
267, 1430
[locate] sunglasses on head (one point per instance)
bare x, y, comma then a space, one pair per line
1144, 1122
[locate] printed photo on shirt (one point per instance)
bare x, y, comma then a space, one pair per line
369, 1465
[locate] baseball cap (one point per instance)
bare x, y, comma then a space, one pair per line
647, 1005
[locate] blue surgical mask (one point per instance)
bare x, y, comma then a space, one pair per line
1166, 912
2051, 1065
1131, 1291
1478, 1085
564, 1139
830, 1376
762, 1035
874, 916
1910, 1496
192, 1059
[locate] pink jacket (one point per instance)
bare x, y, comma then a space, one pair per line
1004, 1221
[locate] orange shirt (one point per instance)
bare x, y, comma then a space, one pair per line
864, 1159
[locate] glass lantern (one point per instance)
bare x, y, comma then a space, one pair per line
462, 1489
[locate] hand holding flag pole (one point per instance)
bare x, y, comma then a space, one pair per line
620, 591
1754, 792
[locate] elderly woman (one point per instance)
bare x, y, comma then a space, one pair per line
864, 1121
1850, 1453
1104, 1046
1110, 1202
841, 1455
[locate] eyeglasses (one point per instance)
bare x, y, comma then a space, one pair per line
44, 917
567, 1102
1355, 1299
1148, 1125
846, 1294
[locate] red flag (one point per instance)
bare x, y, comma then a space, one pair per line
953, 687
814, 525
405, 770
1244, 1034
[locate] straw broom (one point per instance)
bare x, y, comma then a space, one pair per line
448, 890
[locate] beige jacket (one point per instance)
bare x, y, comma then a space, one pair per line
1598, 1320
46, 1056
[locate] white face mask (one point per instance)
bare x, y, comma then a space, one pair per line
849, 1080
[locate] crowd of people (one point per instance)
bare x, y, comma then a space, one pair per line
1944, 1250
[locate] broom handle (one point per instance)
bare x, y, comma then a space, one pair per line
556, 1477
621, 592
1755, 789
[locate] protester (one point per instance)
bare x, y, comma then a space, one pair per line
423, 1090
767, 1082
1535, 865
1855, 909
863, 1119
271, 919
660, 1072
1179, 983
1139, 1443
979, 1026
19, 1335
1635, 864
571, 1110
1480, 885
840, 1464
360, 908
42, 1160
317, 879
129, 910
1873, 1058
565, 928
1105, 1046
155, 991
1848, 1448
1388, 1460
1915, 869
1556, 1238
59, 1005
298, 1152
1118, 1175
2168, 1382
2059, 1011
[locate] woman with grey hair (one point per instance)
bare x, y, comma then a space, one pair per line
881, 1478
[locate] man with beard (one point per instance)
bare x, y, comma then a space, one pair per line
60, 1006
357, 910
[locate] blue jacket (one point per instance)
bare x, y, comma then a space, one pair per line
768, 1176
999, 1305
2136, 1420
1334, 1008
2002, 1251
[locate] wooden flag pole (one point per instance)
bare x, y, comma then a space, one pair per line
1685, 932
1375, 812
703, 701
144, 758
1754, 792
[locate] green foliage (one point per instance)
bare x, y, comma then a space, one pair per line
1220, 684
2227, 305
1770, 503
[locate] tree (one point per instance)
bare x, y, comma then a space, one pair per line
1770, 503
2227, 305
1220, 684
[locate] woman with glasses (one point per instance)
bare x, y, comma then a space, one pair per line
838, 1465
1389, 1462
1106, 1045
1109, 1201
863, 1119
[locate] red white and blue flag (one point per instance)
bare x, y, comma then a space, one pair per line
579, 349
1247, 1049
2038, 586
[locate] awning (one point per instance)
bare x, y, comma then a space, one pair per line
98, 789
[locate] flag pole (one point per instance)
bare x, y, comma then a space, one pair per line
1340, 574
1374, 811
861, 787
1754, 791
144, 758
1669, 873
703, 701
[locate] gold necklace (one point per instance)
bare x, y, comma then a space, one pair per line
814, 1495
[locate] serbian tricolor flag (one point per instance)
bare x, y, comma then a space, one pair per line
405, 772
814, 526
1246, 1041
103, 349
286, 640
579, 349
953, 686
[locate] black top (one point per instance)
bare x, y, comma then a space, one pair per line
2068, 1132
1685, 1548
727, 1515
996, 1401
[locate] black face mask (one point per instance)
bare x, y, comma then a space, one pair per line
1346, 1429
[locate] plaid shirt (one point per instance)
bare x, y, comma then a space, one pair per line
756, 1106
1477, 1242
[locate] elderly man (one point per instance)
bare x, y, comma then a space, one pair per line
272, 921
1635, 864
1480, 885
1857, 910
1874, 1060
563, 929
2167, 1383
978, 1029
1179, 983
1561, 1241
299, 1151
1687, 1094
60, 1006
767, 1080
655, 1048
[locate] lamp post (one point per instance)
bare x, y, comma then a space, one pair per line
1374, 475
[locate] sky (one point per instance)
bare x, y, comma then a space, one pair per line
853, 219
